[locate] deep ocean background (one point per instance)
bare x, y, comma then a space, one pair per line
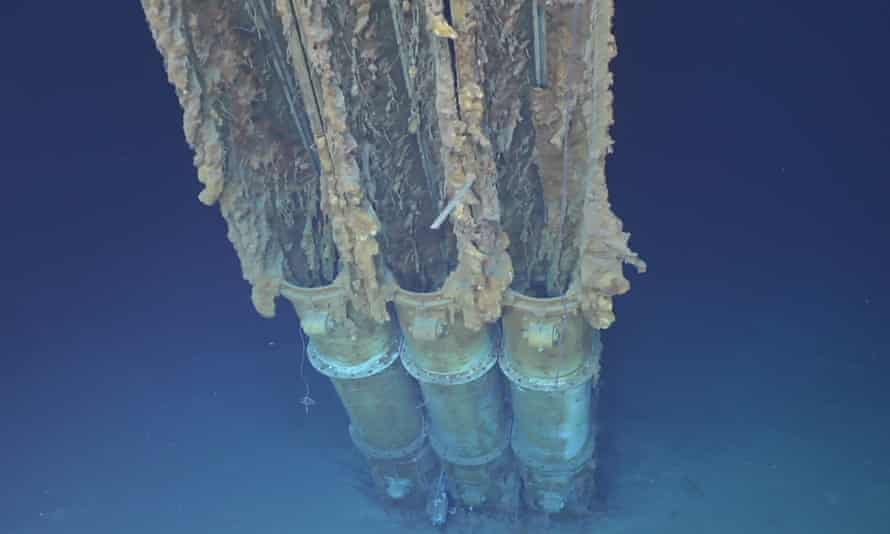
746, 379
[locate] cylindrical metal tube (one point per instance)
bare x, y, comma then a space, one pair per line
382, 407
360, 356
467, 419
463, 395
551, 427
551, 358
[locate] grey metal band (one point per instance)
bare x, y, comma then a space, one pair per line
570, 466
581, 374
495, 453
469, 373
331, 368
400, 453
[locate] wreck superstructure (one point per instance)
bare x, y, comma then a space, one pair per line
424, 181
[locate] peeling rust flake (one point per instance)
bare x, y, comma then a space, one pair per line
452, 146
248, 151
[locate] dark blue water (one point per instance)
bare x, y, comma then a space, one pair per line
746, 380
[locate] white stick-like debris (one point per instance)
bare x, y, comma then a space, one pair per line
452, 204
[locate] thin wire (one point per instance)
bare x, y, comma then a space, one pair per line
307, 399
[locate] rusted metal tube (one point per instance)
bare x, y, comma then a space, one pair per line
463, 396
360, 356
551, 358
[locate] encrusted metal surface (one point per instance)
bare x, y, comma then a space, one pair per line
442, 157
252, 145
333, 132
